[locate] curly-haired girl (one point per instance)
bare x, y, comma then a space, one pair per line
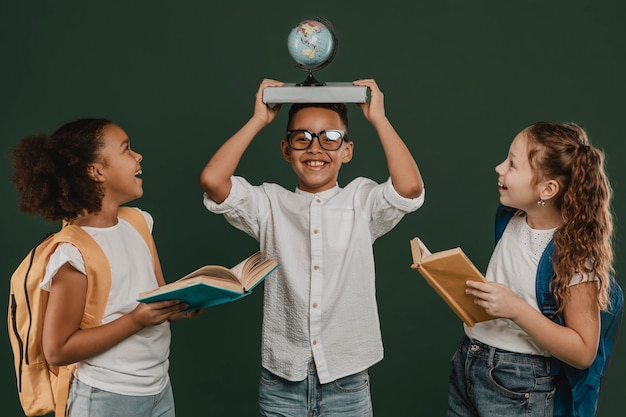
82, 174
556, 181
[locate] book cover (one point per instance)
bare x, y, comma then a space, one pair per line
213, 285
446, 272
329, 93
198, 295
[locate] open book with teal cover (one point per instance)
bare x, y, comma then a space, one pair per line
212, 285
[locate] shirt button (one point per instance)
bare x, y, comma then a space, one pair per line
317, 200
315, 231
316, 267
314, 342
314, 305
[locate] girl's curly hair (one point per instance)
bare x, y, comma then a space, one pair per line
51, 172
584, 240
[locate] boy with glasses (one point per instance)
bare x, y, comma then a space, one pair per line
321, 330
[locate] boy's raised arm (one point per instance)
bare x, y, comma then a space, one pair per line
215, 177
403, 170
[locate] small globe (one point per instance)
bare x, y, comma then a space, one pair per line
312, 44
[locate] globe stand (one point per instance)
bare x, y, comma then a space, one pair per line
318, 92
310, 81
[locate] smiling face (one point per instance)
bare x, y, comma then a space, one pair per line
118, 167
317, 169
516, 179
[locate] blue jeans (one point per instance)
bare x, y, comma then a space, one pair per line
347, 397
87, 401
486, 381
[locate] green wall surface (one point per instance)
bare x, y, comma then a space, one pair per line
460, 79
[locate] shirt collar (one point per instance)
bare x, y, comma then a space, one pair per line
324, 194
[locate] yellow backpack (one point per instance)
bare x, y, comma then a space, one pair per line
44, 388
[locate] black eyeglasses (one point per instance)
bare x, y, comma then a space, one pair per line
330, 139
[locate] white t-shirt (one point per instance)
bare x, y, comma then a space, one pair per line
139, 364
514, 263
321, 301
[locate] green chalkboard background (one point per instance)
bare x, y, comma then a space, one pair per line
460, 78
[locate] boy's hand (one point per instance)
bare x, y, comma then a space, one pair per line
263, 112
375, 109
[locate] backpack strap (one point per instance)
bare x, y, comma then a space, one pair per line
138, 221
545, 298
98, 273
543, 291
98, 284
503, 215
64, 379
97, 268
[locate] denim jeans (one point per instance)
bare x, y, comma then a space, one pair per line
486, 381
347, 397
87, 401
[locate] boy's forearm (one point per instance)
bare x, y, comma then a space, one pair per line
215, 177
403, 169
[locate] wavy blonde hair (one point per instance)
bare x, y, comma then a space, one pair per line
584, 241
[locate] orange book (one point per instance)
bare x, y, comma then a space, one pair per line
447, 272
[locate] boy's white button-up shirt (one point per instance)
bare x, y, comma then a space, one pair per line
321, 301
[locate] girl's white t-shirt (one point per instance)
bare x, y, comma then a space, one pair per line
514, 263
139, 364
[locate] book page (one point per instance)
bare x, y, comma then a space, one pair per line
215, 271
214, 275
252, 269
243, 268
421, 253
190, 281
418, 250
444, 254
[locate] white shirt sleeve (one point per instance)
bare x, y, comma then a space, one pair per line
64, 253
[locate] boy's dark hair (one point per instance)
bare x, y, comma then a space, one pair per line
340, 108
51, 172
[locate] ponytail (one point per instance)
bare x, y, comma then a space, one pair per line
51, 172
584, 240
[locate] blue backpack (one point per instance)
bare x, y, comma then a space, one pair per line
577, 390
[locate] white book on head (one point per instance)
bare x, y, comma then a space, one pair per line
330, 93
